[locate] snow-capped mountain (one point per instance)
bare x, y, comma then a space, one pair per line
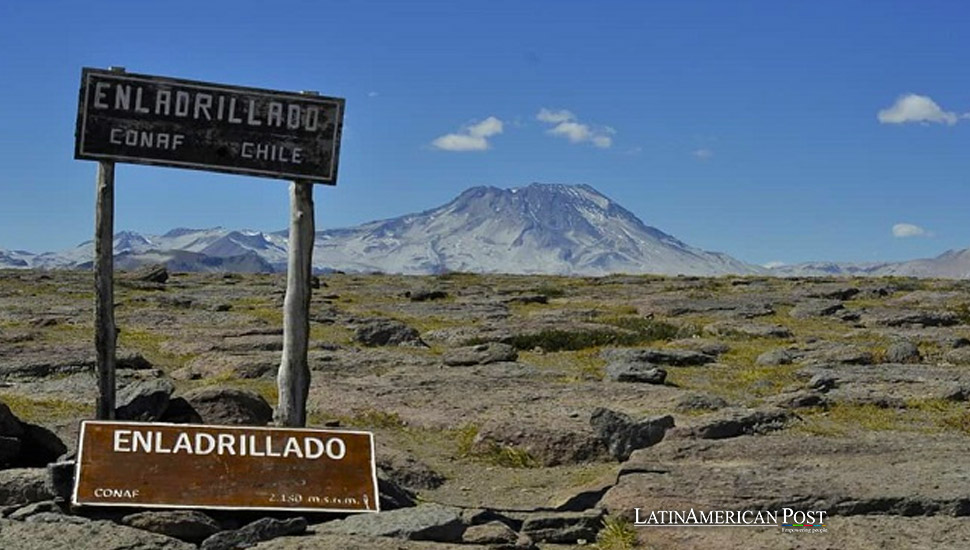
541, 228
952, 264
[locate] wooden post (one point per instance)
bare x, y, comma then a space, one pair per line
293, 379
105, 334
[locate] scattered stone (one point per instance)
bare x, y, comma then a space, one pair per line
48, 531
254, 533
727, 328
493, 532
622, 435
144, 400
703, 345
902, 352
426, 295
816, 308
482, 354
959, 356
700, 402
800, 400
23, 486
404, 470
670, 357
230, 406
132, 360
775, 357
528, 299
563, 527
187, 525
823, 382
387, 332
432, 522
643, 373
150, 274
737, 422
910, 318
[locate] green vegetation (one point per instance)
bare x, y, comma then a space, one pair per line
635, 332
617, 533
44, 410
918, 415
491, 453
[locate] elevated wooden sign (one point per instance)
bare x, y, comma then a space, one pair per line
225, 467
145, 119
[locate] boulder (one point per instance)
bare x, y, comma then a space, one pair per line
187, 525
775, 357
408, 472
902, 352
493, 532
700, 402
150, 274
670, 357
623, 435
482, 354
10, 425
254, 533
756, 330
39, 447
23, 486
563, 527
816, 308
387, 332
643, 373
180, 411
230, 406
426, 295
736, 422
144, 400
43, 507
431, 522
39, 532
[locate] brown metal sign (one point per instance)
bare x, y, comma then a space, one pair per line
146, 119
225, 467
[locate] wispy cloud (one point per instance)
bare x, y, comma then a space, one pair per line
906, 230
702, 154
472, 137
917, 108
373, 94
566, 125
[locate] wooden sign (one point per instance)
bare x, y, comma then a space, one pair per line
225, 467
146, 119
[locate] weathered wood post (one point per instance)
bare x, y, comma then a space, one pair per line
105, 334
293, 379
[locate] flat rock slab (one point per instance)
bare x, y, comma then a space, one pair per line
87, 535
889, 383
432, 522
876, 473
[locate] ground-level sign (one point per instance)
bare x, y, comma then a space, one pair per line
225, 467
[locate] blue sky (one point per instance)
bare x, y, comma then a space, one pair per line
772, 131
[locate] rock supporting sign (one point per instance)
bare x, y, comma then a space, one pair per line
146, 119
227, 467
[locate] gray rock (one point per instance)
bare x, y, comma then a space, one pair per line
60, 479
39, 447
959, 356
670, 357
563, 527
910, 317
823, 382
482, 354
230, 406
43, 507
9, 450
131, 360
623, 435
902, 352
737, 422
10, 425
56, 517
700, 402
254, 533
800, 400
180, 411
728, 328
144, 400
393, 496
387, 332
493, 532
635, 372
432, 522
426, 295
151, 274
408, 472
187, 525
775, 357
23, 486
816, 308
80, 534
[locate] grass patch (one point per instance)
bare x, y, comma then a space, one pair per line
493, 454
45, 410
574, 366
634, 332
617, 534
149, 344
918, 415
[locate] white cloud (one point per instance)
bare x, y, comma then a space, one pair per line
702, 154
554, 117
567, 126
904, 230
916, 108
373, 94
473, 137
773, 265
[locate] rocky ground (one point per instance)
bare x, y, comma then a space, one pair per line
518, 411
